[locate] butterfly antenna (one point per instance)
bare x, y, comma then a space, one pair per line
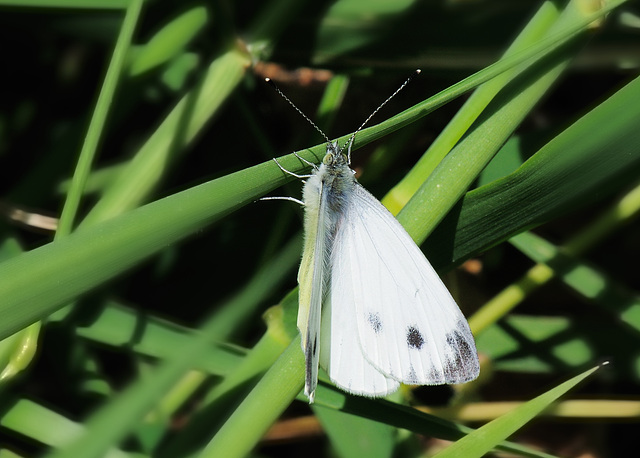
353, 137
273, 85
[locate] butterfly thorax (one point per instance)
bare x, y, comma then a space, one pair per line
336, 177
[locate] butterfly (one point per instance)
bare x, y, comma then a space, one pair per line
373, 313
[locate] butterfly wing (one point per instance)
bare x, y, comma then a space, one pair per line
341, 353
312, 280
407, 325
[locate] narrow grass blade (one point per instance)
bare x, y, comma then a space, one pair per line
487, 437
275, 391
98, 120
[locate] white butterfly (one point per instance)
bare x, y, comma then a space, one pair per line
372, 311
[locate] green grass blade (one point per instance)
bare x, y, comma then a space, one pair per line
237, 384
105, 251
483, 140
169, 41
275, 391
96, 126
584, 279
179, 128
553, 261
542, 344
485, 438
51, 428
534, 31
588, 160
405, 417
110, 248
355, 437
119, 327
121, 415
531, 54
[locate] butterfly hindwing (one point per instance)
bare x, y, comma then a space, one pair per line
409, 328
341, 353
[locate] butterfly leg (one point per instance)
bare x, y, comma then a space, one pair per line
309, 163
300, 177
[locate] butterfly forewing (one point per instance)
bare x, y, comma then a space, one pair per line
312, 280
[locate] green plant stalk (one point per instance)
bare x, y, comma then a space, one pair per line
579, 409
262, 356
178, 394
258, 360
27, 341
117, 326
98, 119
275, 392
105, 251
331, 101
449, 181
507, 299
51, 428
111, 423
535, 30
169, 41
228, 319
190, 115
404, 417
18, 350
592, 284
531, 54
481, 441
621, 212
97, 181
179, 128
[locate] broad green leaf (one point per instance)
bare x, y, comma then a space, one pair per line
586, 162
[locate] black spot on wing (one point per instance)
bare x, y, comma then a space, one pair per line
461, 364
374, 321
436, 377
459, 344
414, 338
412, 377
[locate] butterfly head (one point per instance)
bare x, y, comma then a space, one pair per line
335, 157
